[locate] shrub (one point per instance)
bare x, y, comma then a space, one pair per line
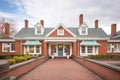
11, 61
16, 59
21, 58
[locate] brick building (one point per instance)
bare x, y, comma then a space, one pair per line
61, 40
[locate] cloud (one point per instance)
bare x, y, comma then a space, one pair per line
67, 12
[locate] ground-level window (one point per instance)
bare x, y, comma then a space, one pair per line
32, 49
67, 49
89, 49
12, 47
53, 48
117, 47
4, 47
109, 47
83, 49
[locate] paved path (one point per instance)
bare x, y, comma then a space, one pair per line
60, 69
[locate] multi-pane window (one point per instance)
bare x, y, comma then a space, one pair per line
109, 47
67, 48
37, 49
31, 49
89, 49
83, 30
83, 49
53, 48
4, 47
60, 32
12, 47
38, 30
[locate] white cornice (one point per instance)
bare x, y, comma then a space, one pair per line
7, 40
113, 41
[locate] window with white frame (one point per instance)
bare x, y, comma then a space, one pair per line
84, 30
4, 47
12, 47
38, 30
109, 47
90, 49
83, 49
32, 49
117, 47
60, 32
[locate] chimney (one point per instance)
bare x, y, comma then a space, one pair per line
81, 19
96, 23
26, 23
113, 29
42, 22
7, 30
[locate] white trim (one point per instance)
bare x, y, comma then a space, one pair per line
61, 40
58, 27
28, 50
77, 38
86, 51
4, 45
59, 32
56, 54
7, 40
113, 41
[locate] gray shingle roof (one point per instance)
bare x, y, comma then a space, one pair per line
116, 36
92, 32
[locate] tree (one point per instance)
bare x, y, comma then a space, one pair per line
12, 23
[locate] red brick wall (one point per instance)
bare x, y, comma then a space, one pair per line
66, 34
103, 46
105, 71
22, 69
19, 47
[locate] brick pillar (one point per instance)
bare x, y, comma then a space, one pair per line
42, 22
45, 49
75, 48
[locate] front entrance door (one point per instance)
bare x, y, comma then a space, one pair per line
60, 49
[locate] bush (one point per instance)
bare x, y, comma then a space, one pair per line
11, 61
16, 59
104, 56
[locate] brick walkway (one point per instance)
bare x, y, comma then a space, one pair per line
60, 69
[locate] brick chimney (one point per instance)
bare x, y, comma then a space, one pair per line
7, 29
81, 19
26, 23
96, 23
42, 22
113, 29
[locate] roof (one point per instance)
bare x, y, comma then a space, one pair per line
116, 36
89, 43
92, 33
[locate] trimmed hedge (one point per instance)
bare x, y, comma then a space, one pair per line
104, 56
11, 61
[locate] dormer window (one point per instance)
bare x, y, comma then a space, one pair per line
83, 29
39, 30
60, 32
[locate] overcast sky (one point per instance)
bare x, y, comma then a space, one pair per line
66, 12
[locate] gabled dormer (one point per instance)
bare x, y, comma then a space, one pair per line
83, 29
39, 29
